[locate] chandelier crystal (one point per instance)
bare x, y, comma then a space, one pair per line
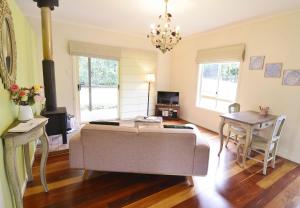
163, 36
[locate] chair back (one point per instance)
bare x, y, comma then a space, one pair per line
278, 126
234, 107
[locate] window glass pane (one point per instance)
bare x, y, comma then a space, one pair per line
218, 85
208, 103
84, 82
104, 84
228, 81
83, 71
104, 72
209, 82
105, 98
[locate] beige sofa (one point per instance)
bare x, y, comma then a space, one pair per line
147, 150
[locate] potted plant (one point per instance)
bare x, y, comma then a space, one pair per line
25, 98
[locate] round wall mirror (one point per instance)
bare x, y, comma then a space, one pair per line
7, 47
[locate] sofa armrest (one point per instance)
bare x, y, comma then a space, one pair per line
201, 159
201, 156
76, 152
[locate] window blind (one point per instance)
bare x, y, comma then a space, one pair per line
77, 48
226, 53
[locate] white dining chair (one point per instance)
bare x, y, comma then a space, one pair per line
265, 145
234, 132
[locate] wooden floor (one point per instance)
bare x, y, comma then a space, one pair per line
226, 185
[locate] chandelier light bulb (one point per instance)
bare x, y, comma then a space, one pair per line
152, 26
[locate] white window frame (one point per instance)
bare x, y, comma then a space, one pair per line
199, 86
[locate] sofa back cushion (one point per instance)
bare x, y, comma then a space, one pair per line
171, 149
107, 146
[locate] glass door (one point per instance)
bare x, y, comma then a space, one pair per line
98, 89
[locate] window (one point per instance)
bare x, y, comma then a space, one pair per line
98, 85
217, 85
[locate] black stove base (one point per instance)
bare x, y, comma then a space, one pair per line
57, 123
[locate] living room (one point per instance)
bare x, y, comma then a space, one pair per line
99, 77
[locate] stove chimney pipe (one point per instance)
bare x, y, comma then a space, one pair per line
48, 63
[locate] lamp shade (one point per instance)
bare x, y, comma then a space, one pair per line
150, 78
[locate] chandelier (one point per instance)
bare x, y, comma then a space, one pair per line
163, 36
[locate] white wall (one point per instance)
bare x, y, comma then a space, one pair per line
63, 32
163, 73
278, 38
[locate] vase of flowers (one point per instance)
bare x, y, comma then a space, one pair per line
25, 97
25, 113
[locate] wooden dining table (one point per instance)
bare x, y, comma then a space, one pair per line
248, 120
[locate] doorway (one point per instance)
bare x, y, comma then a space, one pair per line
98, 89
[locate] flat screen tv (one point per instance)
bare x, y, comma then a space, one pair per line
170, 98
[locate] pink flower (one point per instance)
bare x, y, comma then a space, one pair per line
14, 88
39, 99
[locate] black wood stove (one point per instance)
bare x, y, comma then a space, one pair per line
57, 123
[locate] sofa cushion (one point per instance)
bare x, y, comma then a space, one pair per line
171, 149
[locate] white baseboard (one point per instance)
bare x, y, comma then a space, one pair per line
287, 157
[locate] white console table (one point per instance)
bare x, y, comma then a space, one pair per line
14, 140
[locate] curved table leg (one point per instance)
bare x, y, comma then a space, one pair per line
12, 174
222, 123
249, 132
27, 162
45, 151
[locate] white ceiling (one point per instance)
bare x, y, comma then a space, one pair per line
135, 16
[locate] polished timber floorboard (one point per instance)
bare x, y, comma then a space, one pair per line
226, 185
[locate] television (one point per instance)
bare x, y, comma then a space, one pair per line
168, 98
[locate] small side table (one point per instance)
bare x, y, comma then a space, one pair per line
14, 140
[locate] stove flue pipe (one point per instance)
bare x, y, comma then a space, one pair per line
48, 64
47, 33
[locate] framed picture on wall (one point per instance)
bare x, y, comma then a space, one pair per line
256, 62
291, 77
273, 70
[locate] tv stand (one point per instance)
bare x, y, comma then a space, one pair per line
167, 111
